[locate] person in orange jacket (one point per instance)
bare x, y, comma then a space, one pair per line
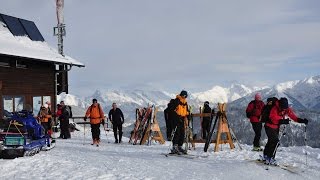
45, 117
96, 115
181, 112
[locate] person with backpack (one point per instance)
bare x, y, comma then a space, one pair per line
180, 119
117, 119
66, 113
253, 111
206, 121
168, 116
277, 116
96, 115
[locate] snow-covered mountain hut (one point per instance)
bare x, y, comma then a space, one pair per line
30, 70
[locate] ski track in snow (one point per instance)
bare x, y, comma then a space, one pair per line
74, 159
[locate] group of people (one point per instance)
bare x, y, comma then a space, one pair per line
96, 115
45, 117
273, 114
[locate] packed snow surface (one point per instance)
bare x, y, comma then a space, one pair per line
76, 159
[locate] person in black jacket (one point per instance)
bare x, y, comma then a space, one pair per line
206, 120
169, 118
66, 113
117, 119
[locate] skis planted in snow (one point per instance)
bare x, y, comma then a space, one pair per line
209, 137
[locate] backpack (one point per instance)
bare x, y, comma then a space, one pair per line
267, 109
99, 107
248, 114
69, 110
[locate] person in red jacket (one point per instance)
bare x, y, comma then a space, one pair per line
277, 116
254, 111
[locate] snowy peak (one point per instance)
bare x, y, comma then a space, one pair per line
221, 94
301, 94
281, 87
216, 94
315, 80
71, 100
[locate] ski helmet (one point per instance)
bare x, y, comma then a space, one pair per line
184, 93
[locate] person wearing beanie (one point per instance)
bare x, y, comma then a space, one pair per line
277, 116
205, 124
96, 115
253, 111
180, 107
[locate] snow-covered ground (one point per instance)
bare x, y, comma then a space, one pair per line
76, 159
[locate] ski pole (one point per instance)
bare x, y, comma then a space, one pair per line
234, 137
172, 136
278, 143
106, 133
305, 143
84, 133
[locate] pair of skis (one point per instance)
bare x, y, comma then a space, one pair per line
210, 136
288, 168
187, 156
141, 129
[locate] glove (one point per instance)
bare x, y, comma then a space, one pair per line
284, 121
102, 122
85, 118
305, 121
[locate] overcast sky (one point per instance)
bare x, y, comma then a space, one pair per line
175, 44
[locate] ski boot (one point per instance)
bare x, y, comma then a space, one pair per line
175, 150
257, 148
97, 142
271, 161
116, 141
93, 142
182, 151
262, 158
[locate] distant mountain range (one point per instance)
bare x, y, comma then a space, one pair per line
302, 94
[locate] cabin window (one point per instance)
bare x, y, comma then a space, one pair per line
38, 101
21, 64
12, 104
4, 62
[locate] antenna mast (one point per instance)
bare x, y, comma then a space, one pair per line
60, 29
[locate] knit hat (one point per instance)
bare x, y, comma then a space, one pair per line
257, 97
94, 100
206, 103
283, 103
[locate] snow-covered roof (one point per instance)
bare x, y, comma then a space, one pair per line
23, 46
